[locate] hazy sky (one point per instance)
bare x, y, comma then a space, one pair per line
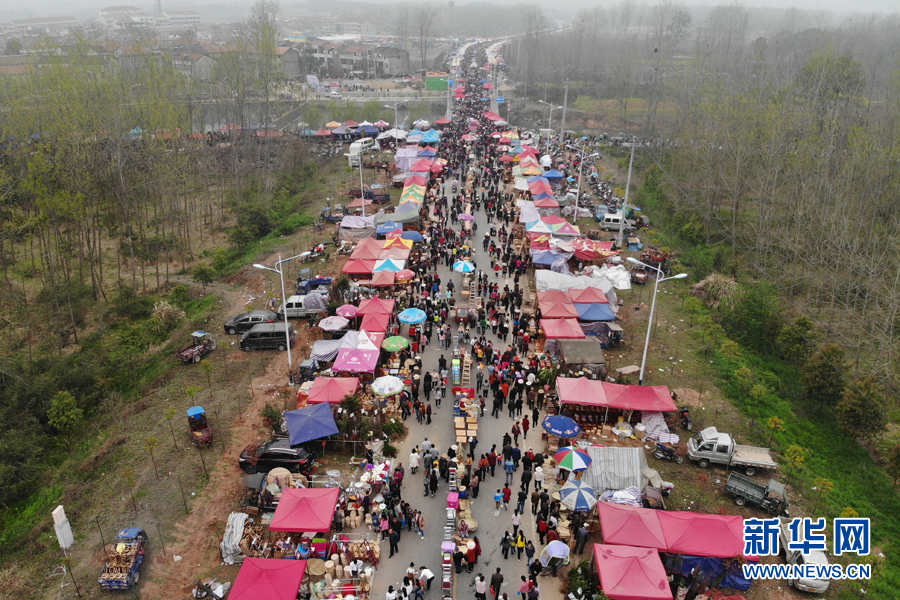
88, 9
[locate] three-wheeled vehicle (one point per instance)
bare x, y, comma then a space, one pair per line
771, 497
639, 274
201, 343
200, 431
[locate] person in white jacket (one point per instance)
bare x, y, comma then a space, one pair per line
538, 478
414, 460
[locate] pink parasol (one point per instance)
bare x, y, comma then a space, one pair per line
347, 310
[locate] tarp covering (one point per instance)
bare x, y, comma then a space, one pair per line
562, 329
703, 535
711, 567
332, 390
404, 158
310, 423
628, 573
631, 526
615, 468
269, 578
325, 350
546, 258
580, 390
302, 510
595, 312
351, 222
582, 352
399, 217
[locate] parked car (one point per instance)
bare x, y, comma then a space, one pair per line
268, 336
276, 452
796, 557
335, 95
246, 321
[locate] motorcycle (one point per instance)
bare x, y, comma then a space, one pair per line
663, 452
686, 421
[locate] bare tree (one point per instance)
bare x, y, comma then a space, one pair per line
533, 23
402, 26
263, 28
667, 24
424, 19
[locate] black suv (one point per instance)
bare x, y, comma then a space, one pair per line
276, 452
268, 336
245, 321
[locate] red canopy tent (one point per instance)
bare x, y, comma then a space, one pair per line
375, 306
625, 525
529, 151
698, 534
310, 509
375, 322
358, 266
382, 279
416, 179
557, 310
323, 133
507, 158
351, 123
371, 243
562, 329
422, 165
331, 389
441, 121
554, 296
639, 397
628, 573
490, 116
395, 253
360, 202
551, 220
588, 296
269, 578
366, 253
546, 203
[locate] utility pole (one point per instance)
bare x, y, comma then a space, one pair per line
562, 131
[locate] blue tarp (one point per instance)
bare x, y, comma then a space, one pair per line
635, 247
711, 568
546, 258
431, 136
553, 174
387, 227
595, 312
310, 423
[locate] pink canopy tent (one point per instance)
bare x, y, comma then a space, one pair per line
588, 296
552, 220
422, 165
490, 116
332, 389
300, 510
557, 310
366, 253
351, 123
698, 534
562, 329
546, 203
375, 305
269, 578
370, 243
554, 296
580, 390
376, 321
566, 229
358, 267
628, 573
360, 202
362, 359
395, 253
376, 337
459, 95
631, 526
441, 121
382, 279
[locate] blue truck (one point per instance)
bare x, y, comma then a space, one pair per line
123, 563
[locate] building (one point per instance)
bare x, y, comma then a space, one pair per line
116, 17
42, 23
120, 16
178, 18
389, 61
290, 61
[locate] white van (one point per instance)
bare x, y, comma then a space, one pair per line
612, 221
358, 147
335, 95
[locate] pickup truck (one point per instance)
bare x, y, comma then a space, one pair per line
711, 446
122, 564
332, 215
302, 307
796, 557
771, 497
316, 285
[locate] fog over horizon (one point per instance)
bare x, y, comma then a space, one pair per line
87, 10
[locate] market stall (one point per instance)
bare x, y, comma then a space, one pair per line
267, 578
330, 389
306, 510
595, 404
628, 573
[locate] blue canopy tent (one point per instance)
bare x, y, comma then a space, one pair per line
711, 568
431, 136
427, 153
387, 227
310, 423
546, 258
553, 174
367, 130
594, 312
535, 179
543, 196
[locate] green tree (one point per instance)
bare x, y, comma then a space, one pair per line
860, 413
151, 443
64, 414
822, 379
892, 467
795, 340
823, 486
204, 275
170, 414
795, 456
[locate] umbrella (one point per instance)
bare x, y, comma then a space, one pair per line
555, 549
310, 423
468, 138
577, 495
506, 158
560, 426
404, 274
412, 235
572, 459
395, 343
412, 316
463, 267
347, 310
333, 323
466, 217
387, 386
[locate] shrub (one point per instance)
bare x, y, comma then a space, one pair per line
166, 316
64, 414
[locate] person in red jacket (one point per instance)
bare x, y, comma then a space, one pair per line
526, 425
507, 494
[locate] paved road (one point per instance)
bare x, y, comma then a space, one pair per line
490, 528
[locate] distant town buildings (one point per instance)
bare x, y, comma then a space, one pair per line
119, 17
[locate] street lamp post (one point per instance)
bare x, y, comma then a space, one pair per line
396, 123
287, 331
659, 280
361, 190
549, 121
621, 241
